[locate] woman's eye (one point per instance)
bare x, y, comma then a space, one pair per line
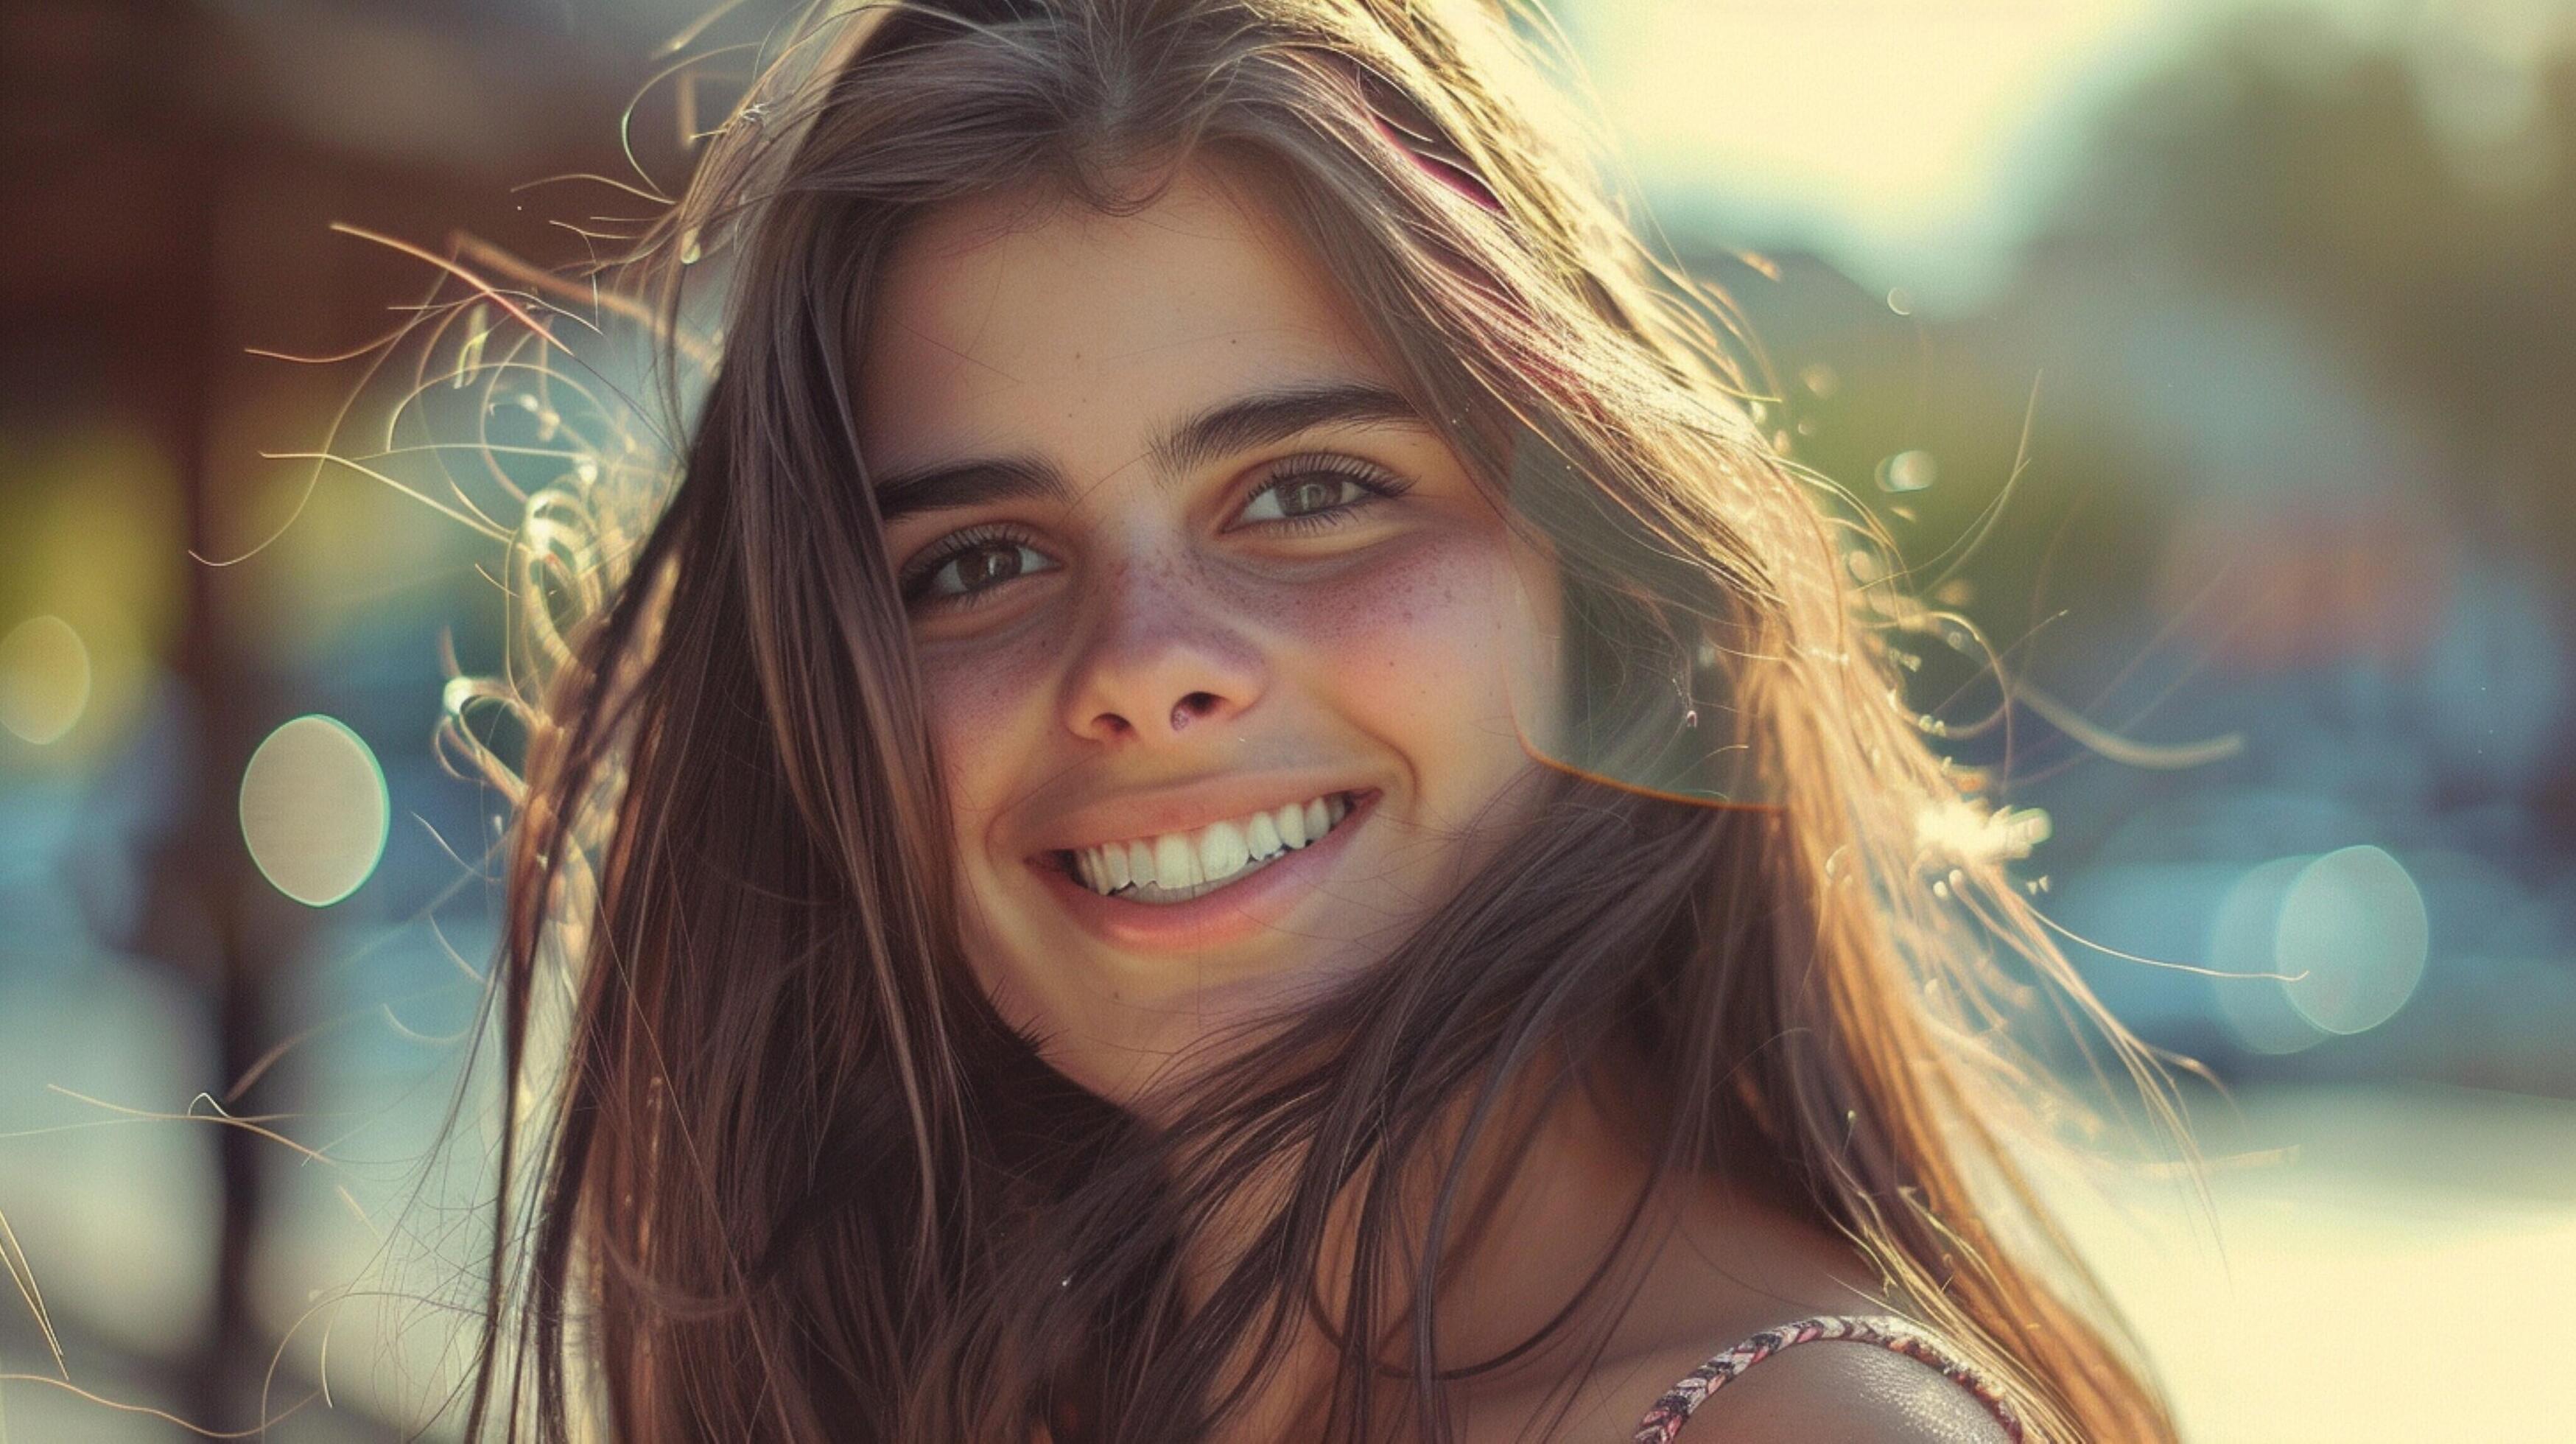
1308, 494
978, 566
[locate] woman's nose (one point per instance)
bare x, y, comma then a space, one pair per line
1161, 657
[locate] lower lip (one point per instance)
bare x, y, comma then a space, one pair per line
1228, 915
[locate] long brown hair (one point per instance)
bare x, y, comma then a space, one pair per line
786, 1174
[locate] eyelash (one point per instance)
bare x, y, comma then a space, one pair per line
914, 583
1378, 484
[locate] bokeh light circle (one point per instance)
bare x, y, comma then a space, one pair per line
44, 679
2244, 941
314, 810
1908, 471
2353, 921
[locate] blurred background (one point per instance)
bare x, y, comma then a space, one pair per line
2213, 361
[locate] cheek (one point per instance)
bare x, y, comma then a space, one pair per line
988, 715
1437, 647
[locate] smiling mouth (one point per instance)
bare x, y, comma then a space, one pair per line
1178, 866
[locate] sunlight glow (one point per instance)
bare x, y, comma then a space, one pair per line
1879, 128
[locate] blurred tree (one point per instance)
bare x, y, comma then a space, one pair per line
2287, 162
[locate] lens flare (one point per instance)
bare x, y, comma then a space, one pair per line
2243, 939
314, 811
1908, 471
44, 679
2353, 922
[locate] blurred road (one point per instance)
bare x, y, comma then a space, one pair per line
2389, 1263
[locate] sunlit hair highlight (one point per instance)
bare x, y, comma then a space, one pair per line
780, 1170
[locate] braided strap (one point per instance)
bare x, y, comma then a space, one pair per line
1665, 1419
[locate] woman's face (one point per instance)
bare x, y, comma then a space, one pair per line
1227, 655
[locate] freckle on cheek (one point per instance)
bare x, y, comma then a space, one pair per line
969, 699
1391, 606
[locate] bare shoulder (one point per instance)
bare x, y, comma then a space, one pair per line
1735, 1269
1848, 1390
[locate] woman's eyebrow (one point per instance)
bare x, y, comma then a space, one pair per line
1218, 431
1267, 416
968, 483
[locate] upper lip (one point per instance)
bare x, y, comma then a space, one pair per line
1180, 807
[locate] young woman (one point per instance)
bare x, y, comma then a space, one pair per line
1235, 800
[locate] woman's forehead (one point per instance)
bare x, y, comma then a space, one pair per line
1004, 323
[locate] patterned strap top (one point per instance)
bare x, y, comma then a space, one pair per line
1665, 1420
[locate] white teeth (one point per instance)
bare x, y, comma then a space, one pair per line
1190, 863
1222, 851
1176, 863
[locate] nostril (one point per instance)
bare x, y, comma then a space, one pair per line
1192, 707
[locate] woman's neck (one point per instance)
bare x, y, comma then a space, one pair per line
1552, 1206
1561, 1228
